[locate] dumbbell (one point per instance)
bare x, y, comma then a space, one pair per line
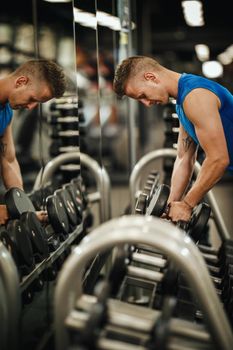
96, 318
76, 200
57, 215
38, 197
199, 218
223, 284
80, 190
19, 245
57, 147
147, 193
69, 206
220, 276
17, 203
66, 109
98, 324
153, 273
68, 137
65, 123
24, 235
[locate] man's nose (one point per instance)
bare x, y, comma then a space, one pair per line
32, 105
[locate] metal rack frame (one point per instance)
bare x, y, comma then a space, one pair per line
10, 281
149, 158
40, 267
136, 229
100, 174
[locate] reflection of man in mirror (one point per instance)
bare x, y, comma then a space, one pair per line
34, 82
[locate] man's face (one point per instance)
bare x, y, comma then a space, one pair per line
148, 90
28, 94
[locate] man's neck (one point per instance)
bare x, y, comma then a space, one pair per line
4, 88
172, 79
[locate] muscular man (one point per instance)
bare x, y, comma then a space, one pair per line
34, 82
205, 111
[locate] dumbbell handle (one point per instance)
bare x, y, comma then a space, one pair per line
184, 225
4, 215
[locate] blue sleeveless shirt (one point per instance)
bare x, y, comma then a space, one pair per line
6, 114
187, 83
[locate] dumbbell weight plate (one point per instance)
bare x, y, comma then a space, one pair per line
80, 189
77, 200
23, 244
31, 225
140, 206
57, 215
158, 201
69, 206
17, 202
199, 220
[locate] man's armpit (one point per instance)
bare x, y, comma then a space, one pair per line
187, 142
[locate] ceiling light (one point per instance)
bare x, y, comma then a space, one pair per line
107, 20
87, 19
202, 52
58, 0
226, 57
101, 18
229, 50
193, 13
212, 69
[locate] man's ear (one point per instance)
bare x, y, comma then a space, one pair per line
20, 81
150, 76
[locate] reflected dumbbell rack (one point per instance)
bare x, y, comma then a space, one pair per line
100, 196
11, 303
48, 262
64, 131
43, 268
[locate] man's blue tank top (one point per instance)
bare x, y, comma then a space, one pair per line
6, 114
187, 83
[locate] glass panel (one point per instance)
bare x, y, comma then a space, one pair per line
59, 127
119, 134
87, 77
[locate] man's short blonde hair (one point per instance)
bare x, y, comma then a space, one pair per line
130, 67
45, 70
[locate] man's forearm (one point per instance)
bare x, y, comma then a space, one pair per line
180, 179
11, 174
210, 173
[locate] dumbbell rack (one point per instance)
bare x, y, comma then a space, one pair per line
17, 288
101, 196
171, 133
171, 126
158, 235
64, 131
46, 263
150, 158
